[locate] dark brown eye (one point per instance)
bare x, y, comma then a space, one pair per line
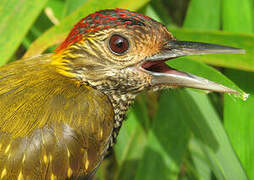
118, 44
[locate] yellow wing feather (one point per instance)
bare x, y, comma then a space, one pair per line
50, 126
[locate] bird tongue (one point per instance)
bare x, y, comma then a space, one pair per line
163, 75
161, 67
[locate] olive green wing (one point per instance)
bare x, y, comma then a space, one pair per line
51, 127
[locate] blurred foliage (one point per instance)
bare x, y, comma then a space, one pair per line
174, 134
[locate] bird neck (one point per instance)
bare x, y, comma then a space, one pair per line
120, 103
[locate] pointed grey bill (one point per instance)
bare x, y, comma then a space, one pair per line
175, 49
187, 80
171, 77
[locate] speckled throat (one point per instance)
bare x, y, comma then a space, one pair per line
121, 96
121, 104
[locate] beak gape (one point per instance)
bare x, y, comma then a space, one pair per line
162, 74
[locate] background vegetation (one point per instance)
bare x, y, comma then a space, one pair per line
174, 134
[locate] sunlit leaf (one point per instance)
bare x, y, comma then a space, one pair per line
209, 19
232, 22
238, 116
56, 7
71, 5
16, 19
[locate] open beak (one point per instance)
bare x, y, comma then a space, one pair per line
162, 74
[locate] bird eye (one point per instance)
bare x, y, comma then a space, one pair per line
118, 44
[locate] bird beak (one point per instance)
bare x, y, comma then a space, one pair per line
162, 74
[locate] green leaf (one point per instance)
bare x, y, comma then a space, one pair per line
16, 19
208, 130
158, 7
209, 19
200, 160
149, 11
215, 146
237, 16
57, 33
167, 141
239, 121
71, 6
130, 147
57, 8
238, 116
236, 61
132, 140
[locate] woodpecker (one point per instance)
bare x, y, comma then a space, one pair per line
61, 112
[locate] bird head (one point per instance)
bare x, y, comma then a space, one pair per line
124, 51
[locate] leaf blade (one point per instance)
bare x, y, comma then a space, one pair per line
167, 142
206, 126
16, 19
238, 116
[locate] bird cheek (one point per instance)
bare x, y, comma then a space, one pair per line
145, 79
